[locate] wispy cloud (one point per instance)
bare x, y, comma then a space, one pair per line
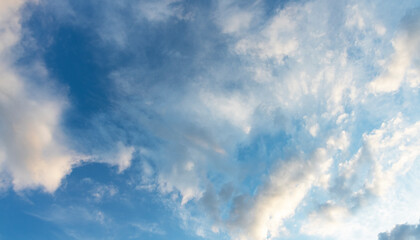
149, 228
242, 119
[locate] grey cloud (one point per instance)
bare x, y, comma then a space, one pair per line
402, 232
210, 201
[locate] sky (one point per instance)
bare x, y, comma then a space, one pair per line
218, 119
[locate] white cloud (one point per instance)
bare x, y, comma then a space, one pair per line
233, 19
160, 10
388, 153
312, 126
180, 178
102, 191
279, 197
406, 49
33, 152
121, 157
355, 17
375, 186
380, 29
277, 40
9, 24
306, 63
236, 109
326, 221
394, 149
68, 216
340, 142
149, 228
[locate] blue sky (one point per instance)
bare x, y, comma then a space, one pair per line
235, 120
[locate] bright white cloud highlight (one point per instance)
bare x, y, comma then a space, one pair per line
32, 151
401, 65
373, 185
278, 198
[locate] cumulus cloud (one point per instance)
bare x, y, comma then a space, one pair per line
33, 153
401, 232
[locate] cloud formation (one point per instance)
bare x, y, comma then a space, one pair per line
402, 65
249, 120
32, 152
401, 232
300, 81
263, 216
